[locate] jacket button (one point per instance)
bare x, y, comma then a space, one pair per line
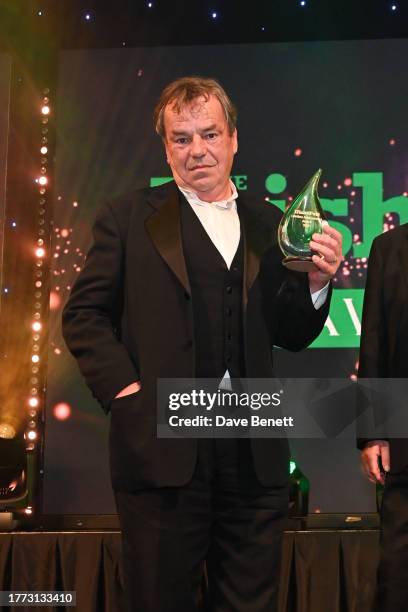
228, 312
228, 358
229, 289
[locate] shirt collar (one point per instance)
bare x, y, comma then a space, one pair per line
193, 198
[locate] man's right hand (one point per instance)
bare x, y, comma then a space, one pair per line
370, 455
132, 388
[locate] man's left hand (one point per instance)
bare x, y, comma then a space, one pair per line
329, 246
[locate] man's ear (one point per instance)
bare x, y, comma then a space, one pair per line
165, 148
235, 137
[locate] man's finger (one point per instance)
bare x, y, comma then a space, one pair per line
328, 252
385, 457
369, 457
331, 231
323, 265
366, 469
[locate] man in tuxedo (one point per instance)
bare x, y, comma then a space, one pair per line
384, 354
186, 280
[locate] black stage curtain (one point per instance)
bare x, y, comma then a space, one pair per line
322, 571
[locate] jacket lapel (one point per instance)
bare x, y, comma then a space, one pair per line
397, 311
251, 254
164, 228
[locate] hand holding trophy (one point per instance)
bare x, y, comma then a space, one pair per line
303, 218
306, 239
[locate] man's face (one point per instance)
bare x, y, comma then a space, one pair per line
199, 148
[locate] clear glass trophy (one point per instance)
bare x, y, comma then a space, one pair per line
302, 219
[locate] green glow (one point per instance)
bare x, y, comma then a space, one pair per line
292, 466
342, 328
275, 183
374, 208
155, 181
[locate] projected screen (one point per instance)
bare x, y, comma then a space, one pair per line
339, 106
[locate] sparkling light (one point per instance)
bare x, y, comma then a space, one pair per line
43, 180
55, 300
62, 411
44, 150
28, 510
35, 358
33, 402
298, 152
36, 326
214, 15
32, 435
40, 252
45, 110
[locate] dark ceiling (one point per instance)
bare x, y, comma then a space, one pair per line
29, 26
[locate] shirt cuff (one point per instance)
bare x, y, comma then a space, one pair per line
319, 297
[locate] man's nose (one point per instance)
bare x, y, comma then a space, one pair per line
198, 146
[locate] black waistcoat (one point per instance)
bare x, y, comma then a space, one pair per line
216, 298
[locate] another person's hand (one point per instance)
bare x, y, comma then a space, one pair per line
329, 246
370, 456
132, 388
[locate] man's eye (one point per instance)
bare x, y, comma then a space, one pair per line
211, 136
181, 140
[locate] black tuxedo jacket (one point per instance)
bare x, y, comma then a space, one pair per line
384, 334
129, 317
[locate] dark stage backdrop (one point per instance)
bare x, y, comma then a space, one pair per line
5, 76
340, 106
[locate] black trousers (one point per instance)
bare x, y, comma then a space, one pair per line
223, 519
393, 567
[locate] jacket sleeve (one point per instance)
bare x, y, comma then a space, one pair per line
91, 316
299, 322
372, 362
372, 359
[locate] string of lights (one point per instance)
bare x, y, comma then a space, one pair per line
35, 400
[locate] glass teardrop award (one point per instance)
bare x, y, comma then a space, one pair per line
303, 218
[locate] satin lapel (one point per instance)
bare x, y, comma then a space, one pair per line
164, 228
252, 259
